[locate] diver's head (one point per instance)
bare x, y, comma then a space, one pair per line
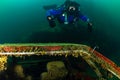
72, 7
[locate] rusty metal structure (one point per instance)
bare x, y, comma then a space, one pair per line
95, 59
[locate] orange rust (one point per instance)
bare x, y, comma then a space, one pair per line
103, 58
8, 49
53, 48
106, 60
118, 69
22, 48
111, 63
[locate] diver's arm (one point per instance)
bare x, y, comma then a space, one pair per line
86, 19
51, 15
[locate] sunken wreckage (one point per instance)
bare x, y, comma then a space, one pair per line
95, 59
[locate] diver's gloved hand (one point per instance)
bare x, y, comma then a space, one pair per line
52, 24
51, 21
90, 27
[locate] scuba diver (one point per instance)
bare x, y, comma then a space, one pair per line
68, 13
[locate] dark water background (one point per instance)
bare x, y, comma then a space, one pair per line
24, 21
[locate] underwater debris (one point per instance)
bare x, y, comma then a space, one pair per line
95, 59
56, 70
18, 70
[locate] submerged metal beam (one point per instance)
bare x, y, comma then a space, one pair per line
91, 56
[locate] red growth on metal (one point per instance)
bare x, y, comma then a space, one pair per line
8, 49
22, 48
107, 60
103, 58
52, 48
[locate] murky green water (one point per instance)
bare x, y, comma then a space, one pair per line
24, 21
